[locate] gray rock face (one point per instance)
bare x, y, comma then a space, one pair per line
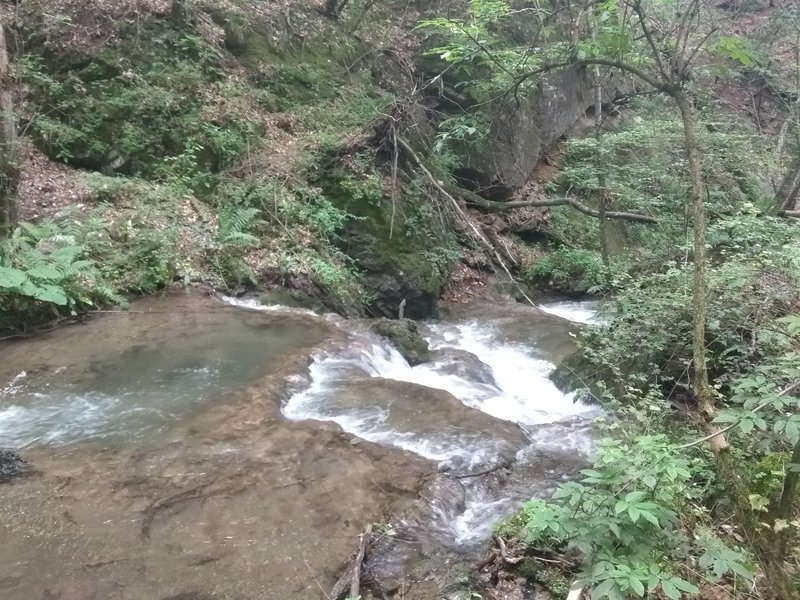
521, 132
390, 289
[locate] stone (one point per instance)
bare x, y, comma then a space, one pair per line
11, 463
406, 337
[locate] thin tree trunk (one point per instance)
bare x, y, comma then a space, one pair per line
600, 167
702, 389
786, 506
786, 196
8, 143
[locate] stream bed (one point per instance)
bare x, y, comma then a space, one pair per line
191, 448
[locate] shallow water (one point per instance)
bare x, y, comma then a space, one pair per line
189, 447
484, 400
138, 394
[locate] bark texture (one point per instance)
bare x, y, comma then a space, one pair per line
8, 142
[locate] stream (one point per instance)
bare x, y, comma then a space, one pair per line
228, 449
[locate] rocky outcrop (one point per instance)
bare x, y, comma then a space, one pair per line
522, 129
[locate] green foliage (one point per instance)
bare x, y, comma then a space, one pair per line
466, 132
622, 518
235, 224
140, 106
569, 269
45, 272
765, 477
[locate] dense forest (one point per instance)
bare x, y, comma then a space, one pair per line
378, 158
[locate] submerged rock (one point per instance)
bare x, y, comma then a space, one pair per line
11, 463
405, 335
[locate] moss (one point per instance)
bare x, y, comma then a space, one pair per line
400, 238
405, 335
139, 106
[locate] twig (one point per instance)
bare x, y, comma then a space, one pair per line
478, 235
479, 473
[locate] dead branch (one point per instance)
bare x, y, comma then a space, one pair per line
477, 235
362, 550
348, 585
494, 206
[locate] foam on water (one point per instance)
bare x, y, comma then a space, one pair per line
585, 312
522, 392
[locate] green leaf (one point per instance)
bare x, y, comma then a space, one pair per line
620, 507
650, 517
792, 431
637, 586
603, 589
615, 529
634, 513
685, 586
670, 590
650, 481
11, 278
53, 294
46, 273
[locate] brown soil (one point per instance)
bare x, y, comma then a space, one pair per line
47, 188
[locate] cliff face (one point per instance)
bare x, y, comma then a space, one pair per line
250, 143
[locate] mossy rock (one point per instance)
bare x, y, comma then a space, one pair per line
405, 335
403, 252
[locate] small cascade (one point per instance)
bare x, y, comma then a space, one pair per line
484, 400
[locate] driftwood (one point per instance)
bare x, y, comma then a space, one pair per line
349, 584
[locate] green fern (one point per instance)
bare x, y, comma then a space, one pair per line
235, 224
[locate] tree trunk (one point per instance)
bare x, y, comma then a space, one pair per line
702, 389
600, 166
786, 196
8, 142
778, 580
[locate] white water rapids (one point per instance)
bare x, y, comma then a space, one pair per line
351, 384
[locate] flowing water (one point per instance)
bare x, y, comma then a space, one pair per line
485, 400
157, 444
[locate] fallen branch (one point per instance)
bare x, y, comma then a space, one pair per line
494, 206
362, 550
479, 473
349, 584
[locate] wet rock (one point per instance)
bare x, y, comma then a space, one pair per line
11, 463
444, 494
464, 364
427, 420
405, 335
391, 289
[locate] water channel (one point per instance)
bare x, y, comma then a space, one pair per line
196, 447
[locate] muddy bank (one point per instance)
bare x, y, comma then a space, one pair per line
229, 501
